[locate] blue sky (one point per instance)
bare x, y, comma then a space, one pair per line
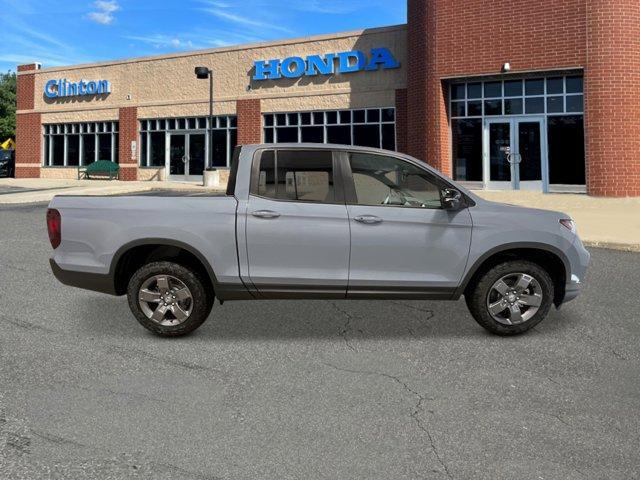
70, 32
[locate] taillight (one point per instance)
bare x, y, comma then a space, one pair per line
54, 225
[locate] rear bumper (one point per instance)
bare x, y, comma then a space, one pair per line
85, 280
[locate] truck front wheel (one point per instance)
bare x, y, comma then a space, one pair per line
168, 299
511, 298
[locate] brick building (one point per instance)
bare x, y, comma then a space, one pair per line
501, 95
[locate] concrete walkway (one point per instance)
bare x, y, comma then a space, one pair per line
603, 222
35, 190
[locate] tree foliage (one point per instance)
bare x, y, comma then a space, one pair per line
7, 106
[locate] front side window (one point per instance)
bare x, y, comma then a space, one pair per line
296, 175
389, 181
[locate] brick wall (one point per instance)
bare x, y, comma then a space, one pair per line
249, 121
28, 126
612, 87
474, 37
128, 132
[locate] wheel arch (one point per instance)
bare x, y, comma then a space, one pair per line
134, 254
552, 259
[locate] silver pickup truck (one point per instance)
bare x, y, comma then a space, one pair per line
318, 221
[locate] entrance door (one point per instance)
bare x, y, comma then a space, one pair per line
514, 152
187, 156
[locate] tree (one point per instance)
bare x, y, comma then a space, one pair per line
7, 106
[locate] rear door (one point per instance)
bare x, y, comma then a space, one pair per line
297, 229
403, 243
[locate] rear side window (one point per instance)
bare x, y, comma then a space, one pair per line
296, 175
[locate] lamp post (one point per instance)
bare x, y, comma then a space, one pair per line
204, 73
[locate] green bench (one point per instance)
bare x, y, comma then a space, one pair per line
101, 169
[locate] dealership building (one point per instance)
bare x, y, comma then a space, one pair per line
507, 94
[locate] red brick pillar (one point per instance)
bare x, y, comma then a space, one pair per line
427, 121
612, 98
249, 121
128, 125
28, 125
401, 120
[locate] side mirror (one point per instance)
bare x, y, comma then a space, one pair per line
451, 199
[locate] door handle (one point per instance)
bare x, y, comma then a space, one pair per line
265, 214
368, 219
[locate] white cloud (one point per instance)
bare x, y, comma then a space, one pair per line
245, 21
164, 41
104, 10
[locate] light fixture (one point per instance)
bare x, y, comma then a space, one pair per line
506, 67
203, 73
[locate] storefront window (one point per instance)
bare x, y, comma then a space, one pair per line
74, 144
566, 150
154, 132
559, 99
369, 127
467, 149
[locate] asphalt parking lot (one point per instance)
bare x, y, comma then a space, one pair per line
317, 389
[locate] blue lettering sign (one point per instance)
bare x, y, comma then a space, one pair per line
331, 63
64, 88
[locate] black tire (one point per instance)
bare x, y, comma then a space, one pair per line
476, 298
201, 300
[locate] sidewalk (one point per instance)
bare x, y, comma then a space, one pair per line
602, 222
35, 190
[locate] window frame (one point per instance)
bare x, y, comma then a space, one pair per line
351, 196
81, 129
338, 182
270, 124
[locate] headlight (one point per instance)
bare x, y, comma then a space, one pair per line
568, 223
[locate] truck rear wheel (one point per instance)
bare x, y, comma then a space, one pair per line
511, 298
168, 299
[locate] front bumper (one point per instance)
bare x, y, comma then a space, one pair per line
579, 259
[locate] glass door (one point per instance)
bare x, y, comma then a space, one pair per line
177, 156
529, 153
196, 157
498, 155
187, 156
514, 153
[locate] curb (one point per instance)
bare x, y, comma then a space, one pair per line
625, 247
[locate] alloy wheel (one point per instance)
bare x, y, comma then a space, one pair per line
514, 299
165, 300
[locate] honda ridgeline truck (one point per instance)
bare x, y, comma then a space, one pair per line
302, 221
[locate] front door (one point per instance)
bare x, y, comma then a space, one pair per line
514, 153
297, 231
403, 243
187, 156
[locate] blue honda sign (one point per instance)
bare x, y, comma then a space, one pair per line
327, 64
65, 88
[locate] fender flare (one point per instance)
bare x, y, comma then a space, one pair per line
115, 260
506, 247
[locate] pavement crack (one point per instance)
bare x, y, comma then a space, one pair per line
415, 413
344, 331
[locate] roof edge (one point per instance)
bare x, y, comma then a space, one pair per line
231, 48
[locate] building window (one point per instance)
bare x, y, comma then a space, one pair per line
549, 95
566, 150
154, 134
368, 127
76, 144
466, 136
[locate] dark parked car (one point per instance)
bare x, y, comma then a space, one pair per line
7, 163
